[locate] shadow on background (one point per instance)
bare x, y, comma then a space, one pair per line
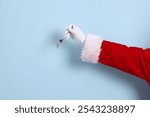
74, 50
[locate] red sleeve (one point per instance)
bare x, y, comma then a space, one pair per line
133, 60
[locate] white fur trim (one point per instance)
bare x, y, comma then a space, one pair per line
91, 49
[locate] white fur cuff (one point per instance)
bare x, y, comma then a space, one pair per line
91, 49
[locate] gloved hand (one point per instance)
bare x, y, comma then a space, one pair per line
91, 43
75, 33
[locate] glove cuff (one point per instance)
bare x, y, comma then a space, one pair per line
91, 48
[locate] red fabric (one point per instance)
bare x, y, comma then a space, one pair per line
133, 60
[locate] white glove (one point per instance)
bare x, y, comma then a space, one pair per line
75, 33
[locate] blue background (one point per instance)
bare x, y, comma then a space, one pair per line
31, 67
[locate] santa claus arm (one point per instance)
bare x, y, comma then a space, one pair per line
133, 60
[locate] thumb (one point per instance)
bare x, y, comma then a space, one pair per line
71, 28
